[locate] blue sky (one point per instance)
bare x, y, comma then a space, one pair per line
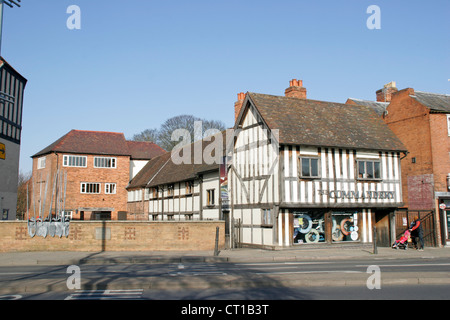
134, 64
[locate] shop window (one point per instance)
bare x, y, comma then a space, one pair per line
309, 227
309, 167
344, 226
369, 169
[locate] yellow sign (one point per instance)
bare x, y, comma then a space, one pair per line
2, 151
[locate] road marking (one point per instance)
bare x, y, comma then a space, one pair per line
130, 294
297, 272
11, 297
282, 263
408, 265
14, 273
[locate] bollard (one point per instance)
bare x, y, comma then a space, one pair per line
375, 249
216, 247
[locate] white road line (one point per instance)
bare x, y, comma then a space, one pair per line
281, 263
408, 265
296, 272
105, 294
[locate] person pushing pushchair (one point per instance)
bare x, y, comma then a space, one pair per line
403, 241
417, 233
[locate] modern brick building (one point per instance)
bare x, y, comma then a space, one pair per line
421, 120
86, 173
12, 86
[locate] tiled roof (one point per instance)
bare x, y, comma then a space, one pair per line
434, 101
163, 170
142, 150
101, 143
326, 124
378, 107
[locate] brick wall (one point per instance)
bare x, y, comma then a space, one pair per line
75, 176
116, 236
410, 121
440, 143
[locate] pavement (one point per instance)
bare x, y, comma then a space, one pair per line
231, 280
240, 255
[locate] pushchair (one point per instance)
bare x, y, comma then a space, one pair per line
402, 243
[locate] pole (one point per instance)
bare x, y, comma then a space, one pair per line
1, 25
375, 249
216, 248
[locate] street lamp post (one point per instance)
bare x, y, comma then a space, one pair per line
11, 4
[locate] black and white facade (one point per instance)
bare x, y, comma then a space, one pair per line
306, 171
12, 86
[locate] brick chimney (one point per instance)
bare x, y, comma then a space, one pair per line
296, 89
385, 94
238, 104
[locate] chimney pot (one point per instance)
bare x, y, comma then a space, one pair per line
296, 89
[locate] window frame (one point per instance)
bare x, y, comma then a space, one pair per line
310, 176
211, 197
41, 162
66, 161
111, 160
109, 184
266, 217
171, 190
365, 174
90, 183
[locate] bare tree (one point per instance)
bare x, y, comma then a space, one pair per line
24, 181
194, 125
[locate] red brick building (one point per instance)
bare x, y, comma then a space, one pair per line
85, 173
422, 122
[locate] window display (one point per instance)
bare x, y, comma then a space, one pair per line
345, 226
309, 227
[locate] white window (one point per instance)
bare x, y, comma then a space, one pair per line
448, 124
90, 188
266, 217
41, 162
210, 199
135, 195
74, 161
110, 188
104, 162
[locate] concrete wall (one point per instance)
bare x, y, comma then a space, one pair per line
95, 236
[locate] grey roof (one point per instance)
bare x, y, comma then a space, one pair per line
434, 101
162, 170
379, 107
326, 124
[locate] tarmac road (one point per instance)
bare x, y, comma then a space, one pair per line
194, 275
